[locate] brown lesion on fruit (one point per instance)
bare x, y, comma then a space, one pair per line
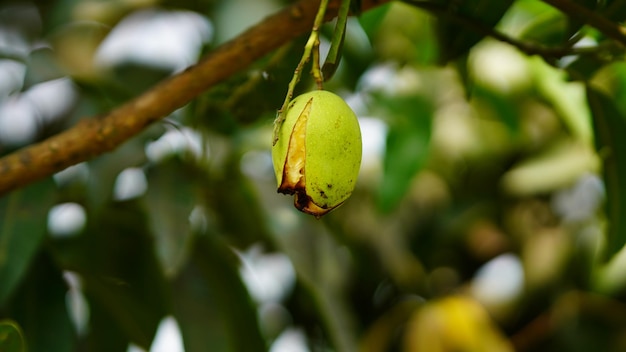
293, 170
304, 203
294, 176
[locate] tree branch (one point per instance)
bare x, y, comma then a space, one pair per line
528, 48
95, 136
550, 54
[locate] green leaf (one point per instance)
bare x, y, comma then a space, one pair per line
610, 129
456, 39
23, 225
121, 275
235, 204
39, 306
584, 67
104, 170
615, 10
11, 337
370, 20
211, 304
502, 107
615, 80
105, 334
551, 27
171, 191
575, 25
548, 28
407, 148
566, 98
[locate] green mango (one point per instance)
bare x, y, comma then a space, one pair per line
318, 152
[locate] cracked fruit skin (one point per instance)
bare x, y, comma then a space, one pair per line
318, 152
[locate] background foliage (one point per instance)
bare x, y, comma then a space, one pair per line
489, 213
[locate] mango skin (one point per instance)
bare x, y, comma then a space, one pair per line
332, 153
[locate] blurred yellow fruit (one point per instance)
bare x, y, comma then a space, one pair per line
453, 324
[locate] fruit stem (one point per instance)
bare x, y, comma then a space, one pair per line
311, 45
315, 69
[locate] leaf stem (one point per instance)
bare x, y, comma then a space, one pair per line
339, 34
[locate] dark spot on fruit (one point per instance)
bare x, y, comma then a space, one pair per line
323, 195
329, 186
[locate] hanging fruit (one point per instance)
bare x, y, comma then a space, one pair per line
318, 152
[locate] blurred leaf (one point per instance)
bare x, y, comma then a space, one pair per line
408, 139
23, 225
370, 20
170, 198
104, 170
584, 67
566, 98
41, 67
211, 303
553, 168
382, 333
129, 79
11, 337
106, 334
404, 33
204, 7
585, 322
234, 202
40, 307
121, 274
466, 77
502, 107
75, 46
549, 28
615, 80
615, 10
319, 294
610, 129
574, 25
22, 24
55, 13
456, 39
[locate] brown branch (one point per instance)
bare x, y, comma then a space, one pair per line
95, 136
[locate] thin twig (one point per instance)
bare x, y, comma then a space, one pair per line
548, 53
594, 19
